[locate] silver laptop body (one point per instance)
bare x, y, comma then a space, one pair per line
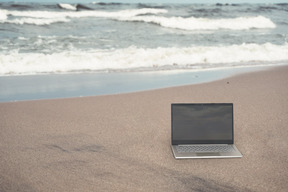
203, 130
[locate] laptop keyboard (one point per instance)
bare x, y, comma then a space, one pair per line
204, 148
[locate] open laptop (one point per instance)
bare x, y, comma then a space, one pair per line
203, 130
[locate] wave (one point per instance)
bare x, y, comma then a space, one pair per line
33, 21
83, 7
21, 6
147, 15
107, 4
38, 19
3, 15
95, 5
154, 6
67, 6
227, 4
9, 5
48, 17
192, 23
133, 58
282, 4
76, 7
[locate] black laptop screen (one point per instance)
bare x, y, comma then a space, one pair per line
202, 123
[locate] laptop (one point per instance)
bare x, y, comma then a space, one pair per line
203, 130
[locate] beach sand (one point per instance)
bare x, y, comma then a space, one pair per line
122, 142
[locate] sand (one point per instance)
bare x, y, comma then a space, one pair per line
122, 142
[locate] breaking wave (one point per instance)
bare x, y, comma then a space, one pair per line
192, 23
147, 15
67, 6
133, 58
49, 17
76, 7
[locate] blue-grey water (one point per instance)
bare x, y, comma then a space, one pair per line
41, 38
108, 48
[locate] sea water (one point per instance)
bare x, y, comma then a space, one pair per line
108, 48
43, 38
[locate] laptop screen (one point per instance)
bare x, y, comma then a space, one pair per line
202, 123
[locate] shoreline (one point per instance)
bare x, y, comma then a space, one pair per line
122, 142
55, 86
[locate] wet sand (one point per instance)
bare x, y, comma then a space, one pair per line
122, 142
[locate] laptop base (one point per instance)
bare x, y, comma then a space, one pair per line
200, 155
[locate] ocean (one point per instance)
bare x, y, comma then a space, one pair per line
46, 38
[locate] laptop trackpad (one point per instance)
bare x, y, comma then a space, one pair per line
208, 154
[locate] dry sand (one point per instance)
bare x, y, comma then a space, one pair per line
122, 142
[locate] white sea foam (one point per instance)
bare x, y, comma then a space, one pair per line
67, 6
133, 58
49, 17
192, 23
108, 14
36, 21
3, 15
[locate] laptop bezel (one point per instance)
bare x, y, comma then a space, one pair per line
186, 142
